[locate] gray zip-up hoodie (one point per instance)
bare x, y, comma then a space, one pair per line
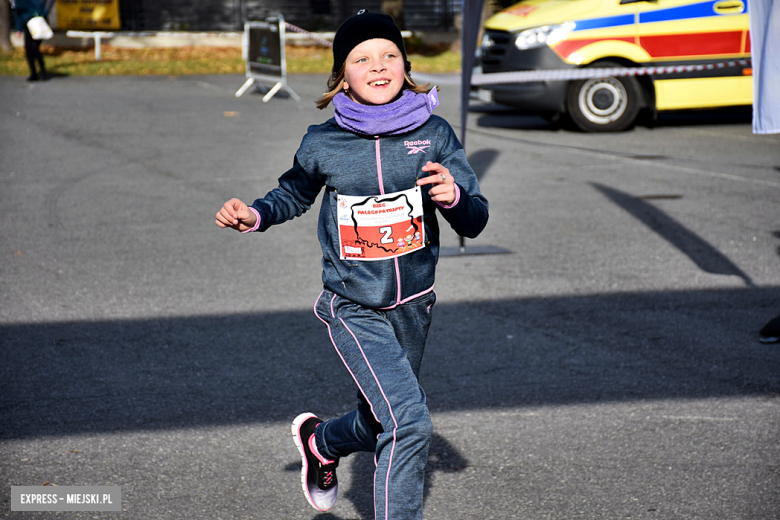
347, 163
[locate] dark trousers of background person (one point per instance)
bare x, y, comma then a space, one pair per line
32, 49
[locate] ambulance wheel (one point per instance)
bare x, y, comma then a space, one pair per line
604, 104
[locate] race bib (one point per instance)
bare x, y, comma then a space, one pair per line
380, 226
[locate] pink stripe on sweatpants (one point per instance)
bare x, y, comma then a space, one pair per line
376, 379
389, 409
330, 334
408, 299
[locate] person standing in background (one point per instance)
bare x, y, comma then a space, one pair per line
24, 10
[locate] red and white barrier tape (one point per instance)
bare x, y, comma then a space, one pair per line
498, 78
314, 37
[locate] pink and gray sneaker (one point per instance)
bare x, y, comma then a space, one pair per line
318, 474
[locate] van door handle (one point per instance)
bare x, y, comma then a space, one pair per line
729, 7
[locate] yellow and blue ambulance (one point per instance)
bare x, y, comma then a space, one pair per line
563, 34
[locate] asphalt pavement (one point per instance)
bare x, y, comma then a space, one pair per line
606, 366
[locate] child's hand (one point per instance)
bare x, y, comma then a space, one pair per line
235, 214
443, 190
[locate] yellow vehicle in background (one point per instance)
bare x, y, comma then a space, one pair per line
561, 34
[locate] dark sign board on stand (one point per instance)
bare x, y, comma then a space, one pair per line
264, 44
264, 50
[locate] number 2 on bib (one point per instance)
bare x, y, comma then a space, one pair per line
387, 238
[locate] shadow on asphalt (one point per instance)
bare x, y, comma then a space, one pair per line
190, 372
482, 160
701, 252
82, 377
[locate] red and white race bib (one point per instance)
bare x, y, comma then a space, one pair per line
380, 226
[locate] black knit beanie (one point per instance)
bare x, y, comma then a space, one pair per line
361, 27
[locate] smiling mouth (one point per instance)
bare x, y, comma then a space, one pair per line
379, 82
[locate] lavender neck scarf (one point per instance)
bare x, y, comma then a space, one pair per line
403, 115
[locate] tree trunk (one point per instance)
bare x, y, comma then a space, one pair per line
5, 26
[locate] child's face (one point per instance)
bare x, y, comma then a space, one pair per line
374, 73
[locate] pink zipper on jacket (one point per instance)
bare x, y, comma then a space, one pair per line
382, 192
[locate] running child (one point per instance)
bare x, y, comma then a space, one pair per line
387, 166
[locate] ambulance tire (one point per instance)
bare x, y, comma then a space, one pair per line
604, 104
